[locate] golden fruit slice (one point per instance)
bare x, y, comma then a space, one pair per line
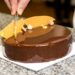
32, 22
37, 21
8, 31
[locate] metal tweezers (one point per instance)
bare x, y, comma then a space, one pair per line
15, 24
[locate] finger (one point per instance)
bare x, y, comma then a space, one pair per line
22, 5
13, 6
8, 3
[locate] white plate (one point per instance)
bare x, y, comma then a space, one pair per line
38, 66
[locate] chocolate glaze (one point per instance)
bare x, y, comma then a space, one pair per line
39, 45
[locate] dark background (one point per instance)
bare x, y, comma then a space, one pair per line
43, 7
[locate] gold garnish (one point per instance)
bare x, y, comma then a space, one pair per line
51, 22
24, 29
36, 21
29, 27
44, 26
32, 22
8, 30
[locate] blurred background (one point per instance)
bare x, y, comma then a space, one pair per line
61, 10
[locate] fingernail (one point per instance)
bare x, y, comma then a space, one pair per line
19, 11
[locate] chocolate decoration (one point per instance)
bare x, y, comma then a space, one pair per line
25, 26
41, 45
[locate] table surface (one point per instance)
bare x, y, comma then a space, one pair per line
65, 67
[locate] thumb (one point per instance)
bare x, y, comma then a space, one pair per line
22, 5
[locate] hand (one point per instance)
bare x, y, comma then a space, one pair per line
17, 6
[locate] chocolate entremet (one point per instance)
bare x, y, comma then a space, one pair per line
39, 45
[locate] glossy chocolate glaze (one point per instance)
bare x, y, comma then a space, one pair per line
39, 45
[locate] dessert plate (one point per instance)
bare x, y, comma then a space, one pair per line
39, 66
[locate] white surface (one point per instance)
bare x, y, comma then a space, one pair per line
39, 66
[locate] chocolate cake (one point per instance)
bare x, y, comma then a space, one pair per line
39, 44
